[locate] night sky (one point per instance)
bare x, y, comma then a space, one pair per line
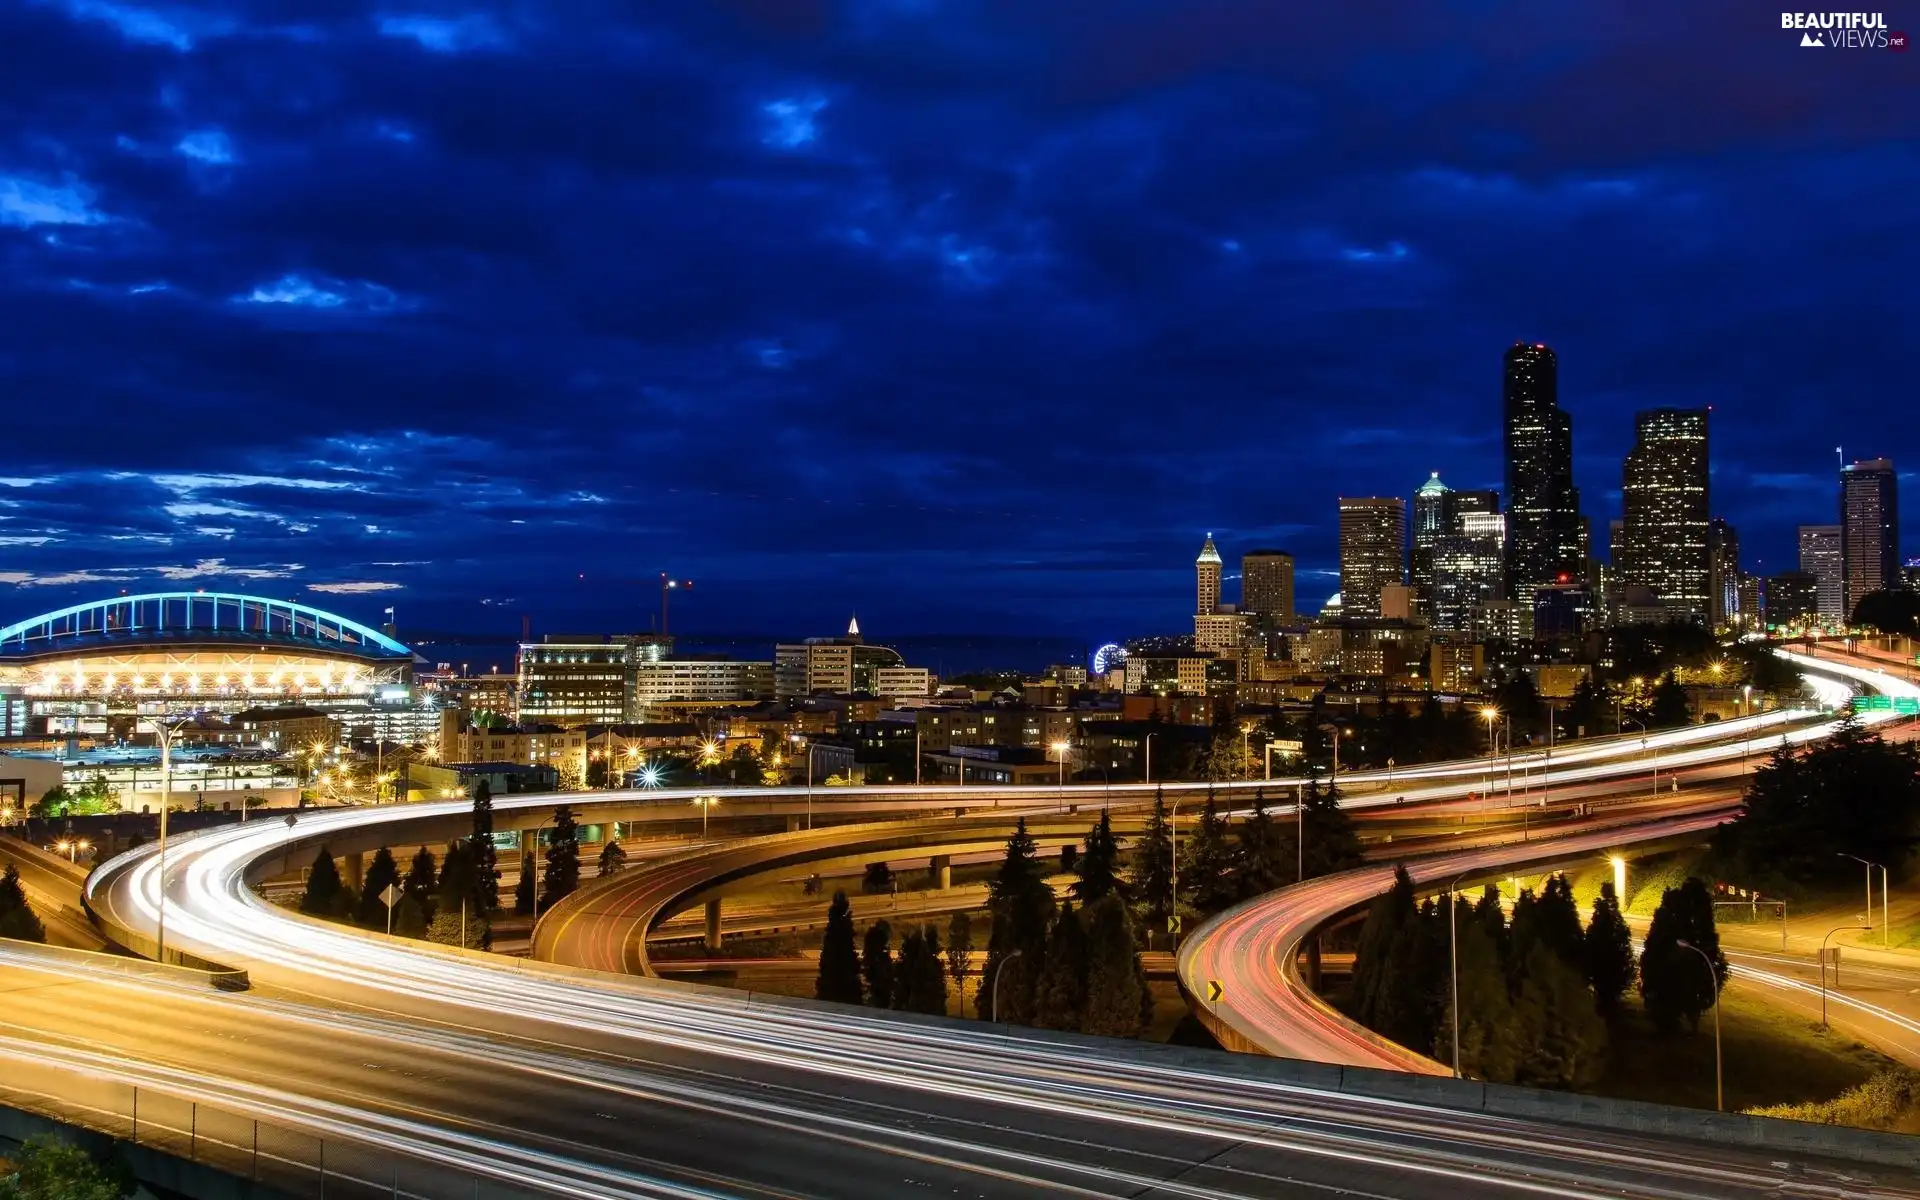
968, 316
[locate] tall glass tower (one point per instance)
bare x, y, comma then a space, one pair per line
1663, 491
1869, 529
1543, 506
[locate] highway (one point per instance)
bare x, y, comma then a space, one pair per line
717, 1093
1252, 950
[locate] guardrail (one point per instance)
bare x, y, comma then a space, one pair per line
61, 960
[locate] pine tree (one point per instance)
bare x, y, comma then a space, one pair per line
907, 968
1206, 868
1099, 868
523, 897
1021, 905
1609, 953
1489, 1043
839, 978
455, 886
1410, 999
1557, 922
563, 858
878, 879
382, 873
1331, 843
324, 889
1523, 934
612, 860
1674, 984
17, 918
409, 918
1257, 853
445, 929
1116, 997
876, 964
486, 869
422, 885
1563, 1040
959, 953
1492, 920
1063, 983
1375, 969
1152, 869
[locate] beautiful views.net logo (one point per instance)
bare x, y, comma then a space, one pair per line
1845, 31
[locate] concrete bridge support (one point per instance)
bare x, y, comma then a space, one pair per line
354, 868
941, 867
713, 924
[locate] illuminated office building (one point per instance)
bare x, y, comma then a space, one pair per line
1869, 530
1723, 574
1373, 536
1820, 557
1468, 569
1664, 495
1543, 506
1266, 586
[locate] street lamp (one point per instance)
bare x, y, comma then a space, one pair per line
163, 733
1061, 749
1000, 973
1886, 927
1713, 980
797, 740
1333, 779
709, 754
1823, 969
1453, 955
1645, 744
703, 803
73, 847
1149, 746
1620, 880
528, 862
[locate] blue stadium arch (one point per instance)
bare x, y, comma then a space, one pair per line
167, 618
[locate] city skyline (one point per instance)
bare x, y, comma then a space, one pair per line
412, 347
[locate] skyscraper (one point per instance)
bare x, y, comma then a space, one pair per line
1664, 495
1266, 586
1206, 569
1543, 506
1468, 568
1429, 526
1869, 530
1820, 558
1373, 538
1723, 573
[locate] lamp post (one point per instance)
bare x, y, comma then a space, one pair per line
530, 863
1062, 749
1149, 746
1333, 779
1886, 926
1453, 955
1823, 969
703, 803
73, 847
1713, 980
163, 733
797, 740
1000, 973
1173, 884
1646, 744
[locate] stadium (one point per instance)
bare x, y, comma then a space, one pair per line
97, 667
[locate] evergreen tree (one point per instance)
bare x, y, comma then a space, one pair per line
1523, 934
1331, 843
1609, 953
1411, 999
1257, 853
563, 858
959, 953
1152, 871
906, 969
324, 892
1117, 1001
1563, 1040
1670, 709
382, 873
1674, 983
926, 977
409, 918
47, 1168
1206, 868
876, 964
17, 918
839, 979
1099, 868
485, 869
612, 859
1021, 905
1492, 920
1489, 1042
455, 888
422, 885
1063, 982
1374, 979
1557, 923
523, 890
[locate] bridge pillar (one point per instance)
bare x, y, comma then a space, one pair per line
941, 865
794, 823
356, 869
529, 842
713, 923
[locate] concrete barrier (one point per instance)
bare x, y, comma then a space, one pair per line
57, 958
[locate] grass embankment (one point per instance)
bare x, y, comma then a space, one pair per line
1771, 1057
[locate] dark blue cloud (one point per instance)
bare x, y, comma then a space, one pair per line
964, 313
